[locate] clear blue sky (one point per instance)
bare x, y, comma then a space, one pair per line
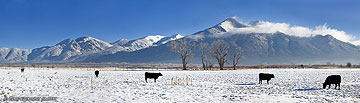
29, 24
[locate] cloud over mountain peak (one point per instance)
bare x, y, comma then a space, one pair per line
293, 30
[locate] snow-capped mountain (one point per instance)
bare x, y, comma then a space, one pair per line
92, 44
230, 24
13, 55
125, 46
68, 48
168, 39
143, 42
257, 48
81, 48
120, 42
215, 31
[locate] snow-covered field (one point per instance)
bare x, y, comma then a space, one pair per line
289, 85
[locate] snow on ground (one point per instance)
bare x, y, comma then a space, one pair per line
289, 85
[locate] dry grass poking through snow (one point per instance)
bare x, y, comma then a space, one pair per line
180, 81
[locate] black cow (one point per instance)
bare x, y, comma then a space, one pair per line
152, 75
265, 76
332, 79
97, 73
22, 69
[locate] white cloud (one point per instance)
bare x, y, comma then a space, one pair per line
356, 42
270, 27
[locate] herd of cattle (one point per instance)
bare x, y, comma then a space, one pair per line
332, 79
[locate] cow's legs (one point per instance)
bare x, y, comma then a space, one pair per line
146, 80
155, 80
336, 85
329, 86
267, 81
260, 82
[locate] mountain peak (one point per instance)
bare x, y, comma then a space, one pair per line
253, 23
219, 29
176, 36
327, 36
120, 42
87, 40
234, 18
84, 39
168, 39
231, 23
154, 38
66, 42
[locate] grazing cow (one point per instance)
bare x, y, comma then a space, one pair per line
22, 69
332, 79
265, 76
152, 75
97, 73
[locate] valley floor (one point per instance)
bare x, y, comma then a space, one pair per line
289, 85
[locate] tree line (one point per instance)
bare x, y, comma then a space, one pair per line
218, 49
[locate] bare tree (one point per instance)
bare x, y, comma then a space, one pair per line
209, 64
183, 48
236, 57
219, 50
33, 64
204, 50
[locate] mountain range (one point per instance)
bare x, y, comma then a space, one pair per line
257, 48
